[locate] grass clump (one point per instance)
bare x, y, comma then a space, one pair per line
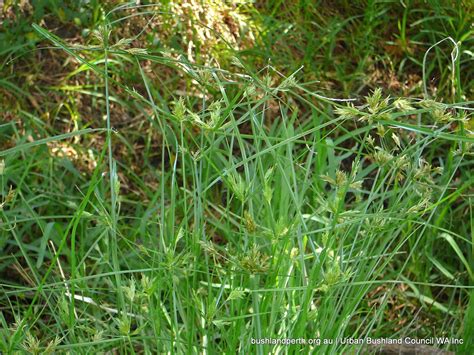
157, 202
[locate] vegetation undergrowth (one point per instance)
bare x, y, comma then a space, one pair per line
184, 178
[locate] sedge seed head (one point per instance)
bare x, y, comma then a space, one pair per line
403, 104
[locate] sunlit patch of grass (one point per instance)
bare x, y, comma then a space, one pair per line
224, 203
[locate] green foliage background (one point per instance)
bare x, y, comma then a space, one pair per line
186, 176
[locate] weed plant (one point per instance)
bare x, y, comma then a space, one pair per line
198, 207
